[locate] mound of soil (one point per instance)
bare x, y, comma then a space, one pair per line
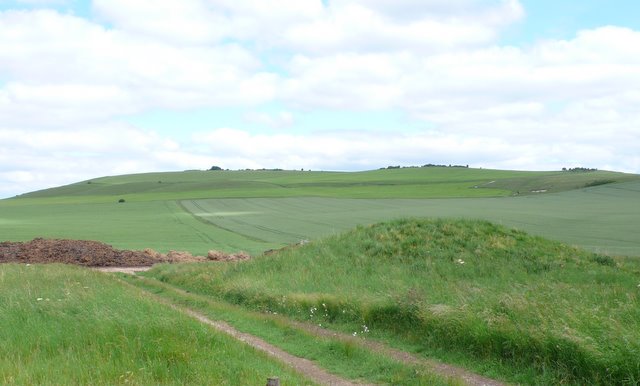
87, 253
221, 256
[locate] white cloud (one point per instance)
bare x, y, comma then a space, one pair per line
365, 150
279, 120
382, 26
206, 21
35, 160
66, 81
55, 60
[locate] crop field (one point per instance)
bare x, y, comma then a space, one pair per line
603, 219
395, 183
161, 225
69, 325
260, 210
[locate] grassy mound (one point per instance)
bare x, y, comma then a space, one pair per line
464, 286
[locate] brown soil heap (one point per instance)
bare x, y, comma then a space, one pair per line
221, 256
87, 253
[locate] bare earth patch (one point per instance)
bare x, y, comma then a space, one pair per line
96, 254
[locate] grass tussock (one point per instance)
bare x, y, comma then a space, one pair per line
468, 287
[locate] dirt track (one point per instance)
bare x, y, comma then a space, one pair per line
309, 368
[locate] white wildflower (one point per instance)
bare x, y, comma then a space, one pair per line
39, 299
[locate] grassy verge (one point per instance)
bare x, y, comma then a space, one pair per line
346, 359
468, 288
67, 325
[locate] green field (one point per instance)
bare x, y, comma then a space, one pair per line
396, 183
603, 219
62, 325
260, 210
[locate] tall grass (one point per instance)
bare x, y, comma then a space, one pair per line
65, 325
346, 358
469, 287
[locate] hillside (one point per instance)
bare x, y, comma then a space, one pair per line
430, 182
451, 288
259, 210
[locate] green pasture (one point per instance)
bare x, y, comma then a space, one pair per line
602, 218
63, 325
161, 225
472, 292
430, 182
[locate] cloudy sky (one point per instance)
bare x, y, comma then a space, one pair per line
104, 87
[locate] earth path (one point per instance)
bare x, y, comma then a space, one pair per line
311, 370
302, 365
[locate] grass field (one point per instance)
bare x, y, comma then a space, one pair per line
68, 325
601, 218
552, 313
397, 183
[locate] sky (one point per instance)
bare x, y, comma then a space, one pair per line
108, 87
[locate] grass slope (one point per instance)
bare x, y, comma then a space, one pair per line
269, 209
471, 288
396, 183
67, 325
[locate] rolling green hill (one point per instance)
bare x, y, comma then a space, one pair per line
431, 182
260, 210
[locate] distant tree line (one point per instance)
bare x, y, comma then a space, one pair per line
426, 166
217, 168
579, 169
